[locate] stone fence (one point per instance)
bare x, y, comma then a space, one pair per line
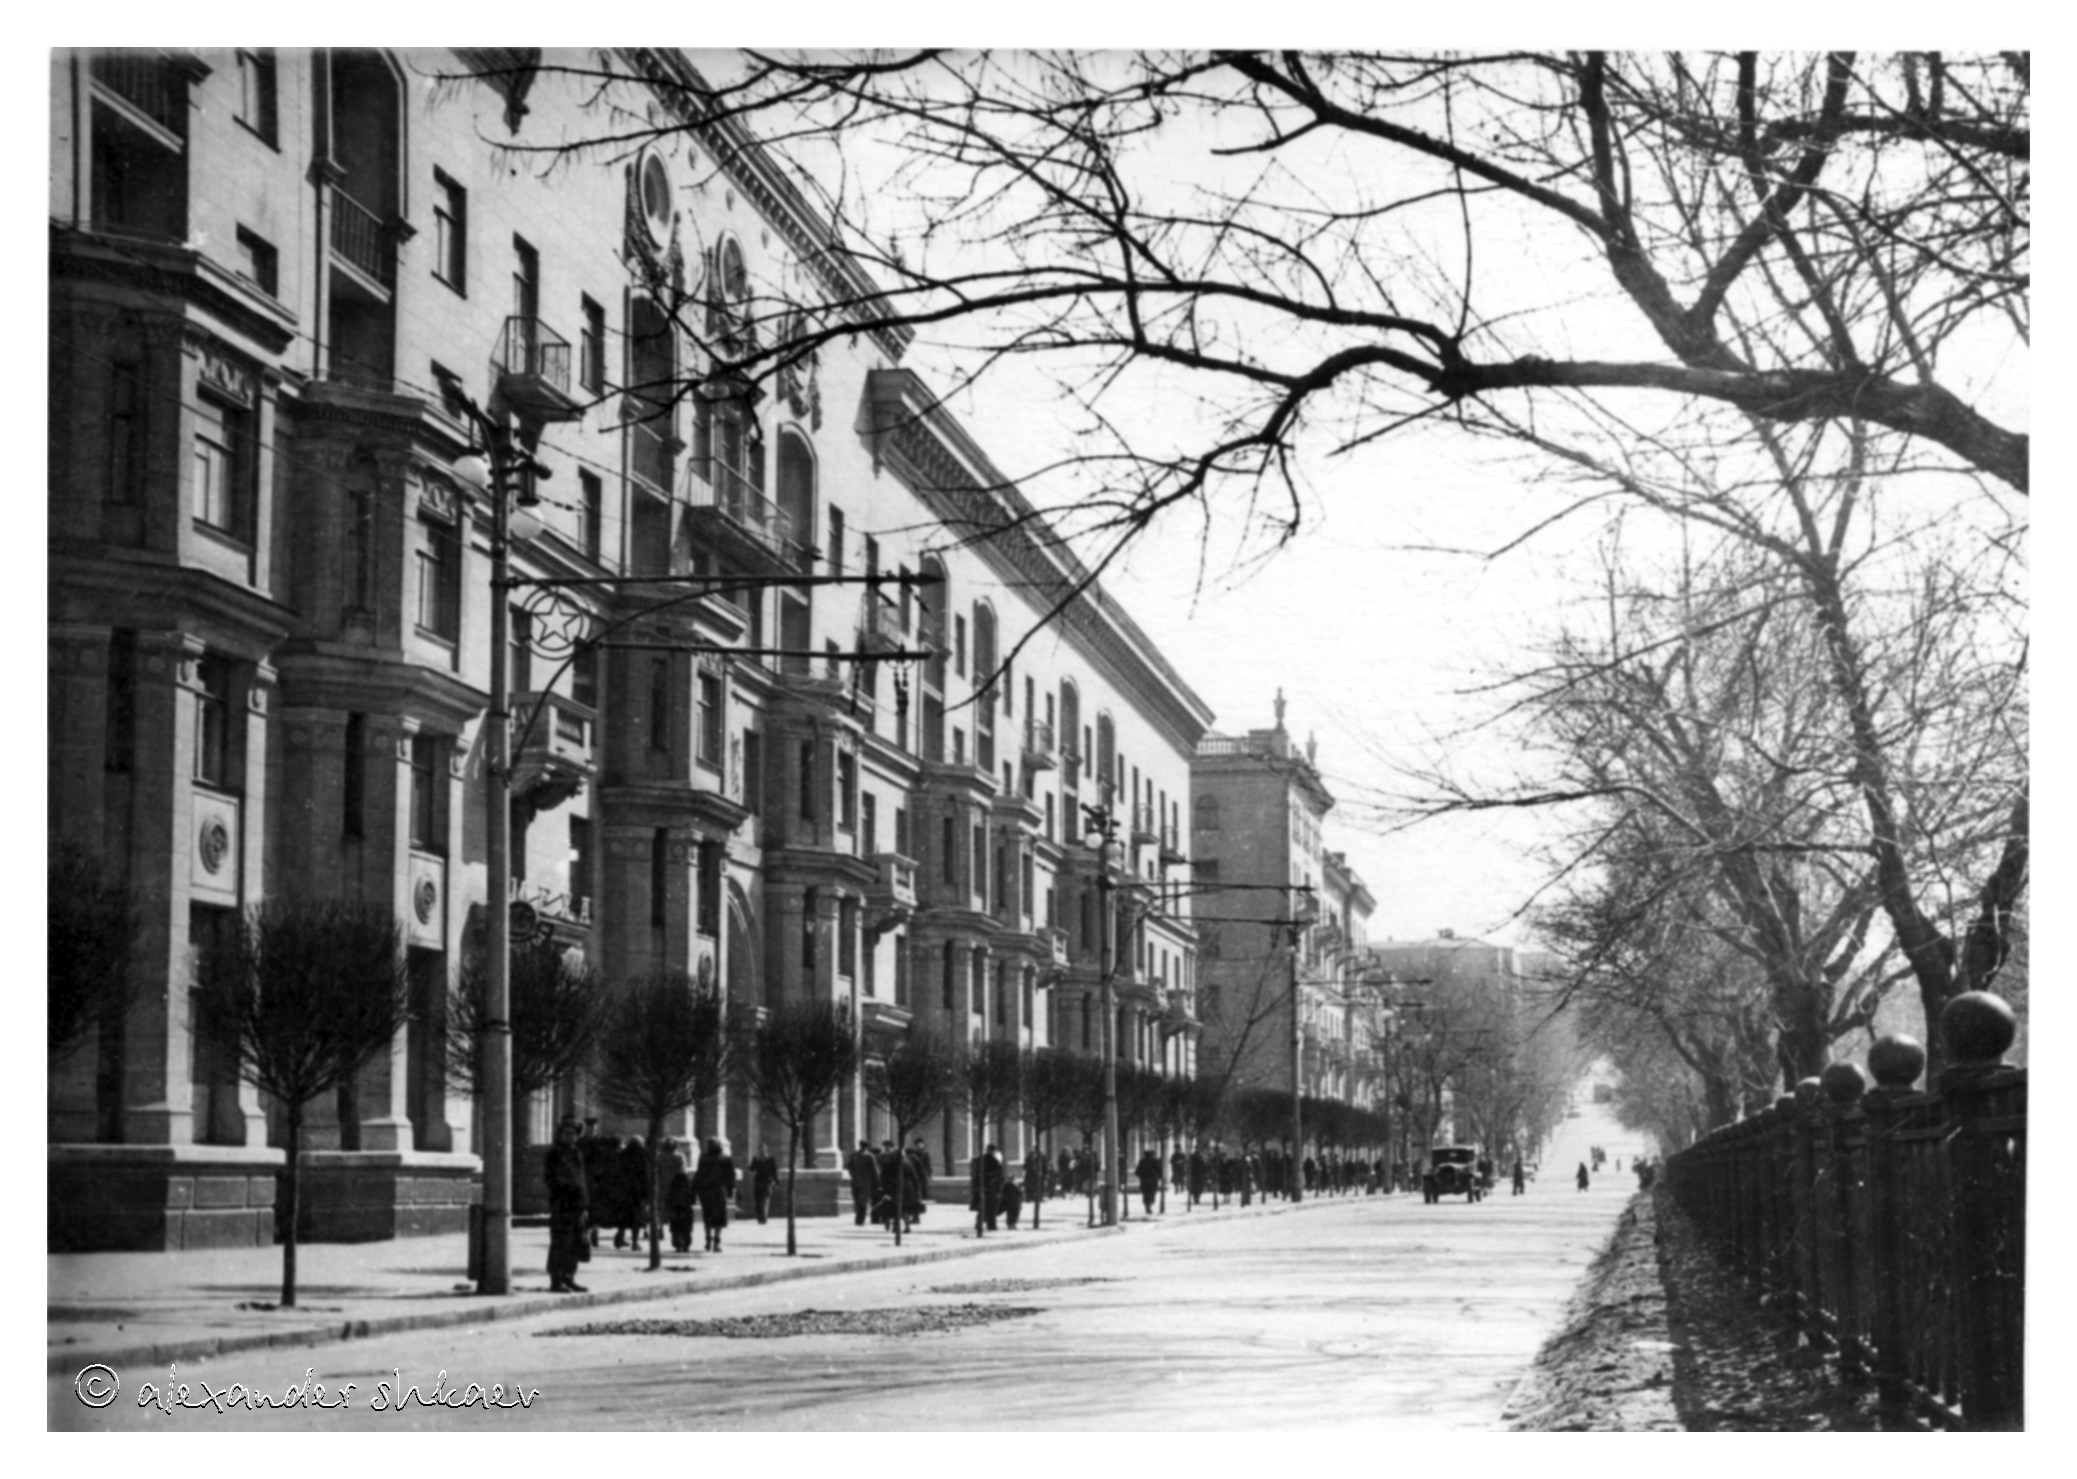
1888, 1225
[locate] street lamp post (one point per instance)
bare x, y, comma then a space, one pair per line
1104, 824
490, 472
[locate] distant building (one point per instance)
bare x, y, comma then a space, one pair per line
1259, 813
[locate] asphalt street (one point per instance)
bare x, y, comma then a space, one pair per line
1360, 1312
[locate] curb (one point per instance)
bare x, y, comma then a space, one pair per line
73, 1358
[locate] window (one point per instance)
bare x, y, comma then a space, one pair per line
959, 645
847, 937
901, 970
425, 820
450, 232
584, 677
223, 467
125, 444
256, 108
753, 770
353, 789
951, 978
847, 790
948, 850
258, 262
711, 717
901, 831
836, 540
1205, 814
580, 860
660, 703
868, 825
526, 280
213, 722
591, 489
808, 781
811, 900
120, 734
659, 877
439, 580
711, 859
592, 348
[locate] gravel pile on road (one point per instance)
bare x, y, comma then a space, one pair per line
1017, 1286
923, 1320
1662, 1337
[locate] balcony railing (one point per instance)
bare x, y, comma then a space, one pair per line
1038, 745
553, 760
533, 364
1172, 845
892, 896
1145, 828
149, 82
731, 496
359, 237
879, 624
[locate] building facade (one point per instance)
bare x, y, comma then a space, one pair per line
1283, 921
270, 616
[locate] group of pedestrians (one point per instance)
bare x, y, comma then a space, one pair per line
889, 1183
598, 1181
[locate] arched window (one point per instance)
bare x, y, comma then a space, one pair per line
797, 496
1206, 818
1106, 756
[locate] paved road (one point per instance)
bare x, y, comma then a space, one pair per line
1366, 1312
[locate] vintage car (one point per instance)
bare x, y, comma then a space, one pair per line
1452, 1171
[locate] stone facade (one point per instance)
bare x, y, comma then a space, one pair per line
270, 619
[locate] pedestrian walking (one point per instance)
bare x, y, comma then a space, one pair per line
1197, 1177
632, 1210
865, 1175
1149, 1172
714, 1183
919, 1157
985, 1177
1582, 1177
1012, 1203
1036, 1169
764, 1175
675, 1177
569, 1201
601, 1155
1521, 1181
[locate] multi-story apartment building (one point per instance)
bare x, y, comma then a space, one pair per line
270, 616
1258, 818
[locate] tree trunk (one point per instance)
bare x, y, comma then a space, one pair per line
649, 1167
293, 1198
793, 1152
901, 1177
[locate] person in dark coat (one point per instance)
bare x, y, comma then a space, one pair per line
864, 1170
1149, 1172
632, 1210
1012, 1203
764, 1175
1197, 1175
1521, 1179
919, 1157
675, 1177
601, 1155
569, 1201
1582, 1177
900, 1188
1036, 1169
985, 1178
714, 1183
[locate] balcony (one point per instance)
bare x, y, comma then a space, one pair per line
533, 371
891, 899
741, 523
1038, 746
364, 242
551, 758
150, 82
1056, 939
1145, 828
1172, 853
1180, 1015
879, 624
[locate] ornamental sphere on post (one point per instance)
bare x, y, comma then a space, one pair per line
1978, 1027
1897, 1061
1843, 1082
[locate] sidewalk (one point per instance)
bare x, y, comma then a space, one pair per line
151, 1308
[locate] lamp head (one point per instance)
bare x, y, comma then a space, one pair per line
524, 523
472, 470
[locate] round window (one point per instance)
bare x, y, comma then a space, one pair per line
653, 178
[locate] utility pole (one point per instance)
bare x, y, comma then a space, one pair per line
1297, 1174
1104, 823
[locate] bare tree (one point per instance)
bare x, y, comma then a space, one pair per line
1051, 1082
994, 1095
914, 1078
794, 1061
557, 1011
662, 1051
304, 993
